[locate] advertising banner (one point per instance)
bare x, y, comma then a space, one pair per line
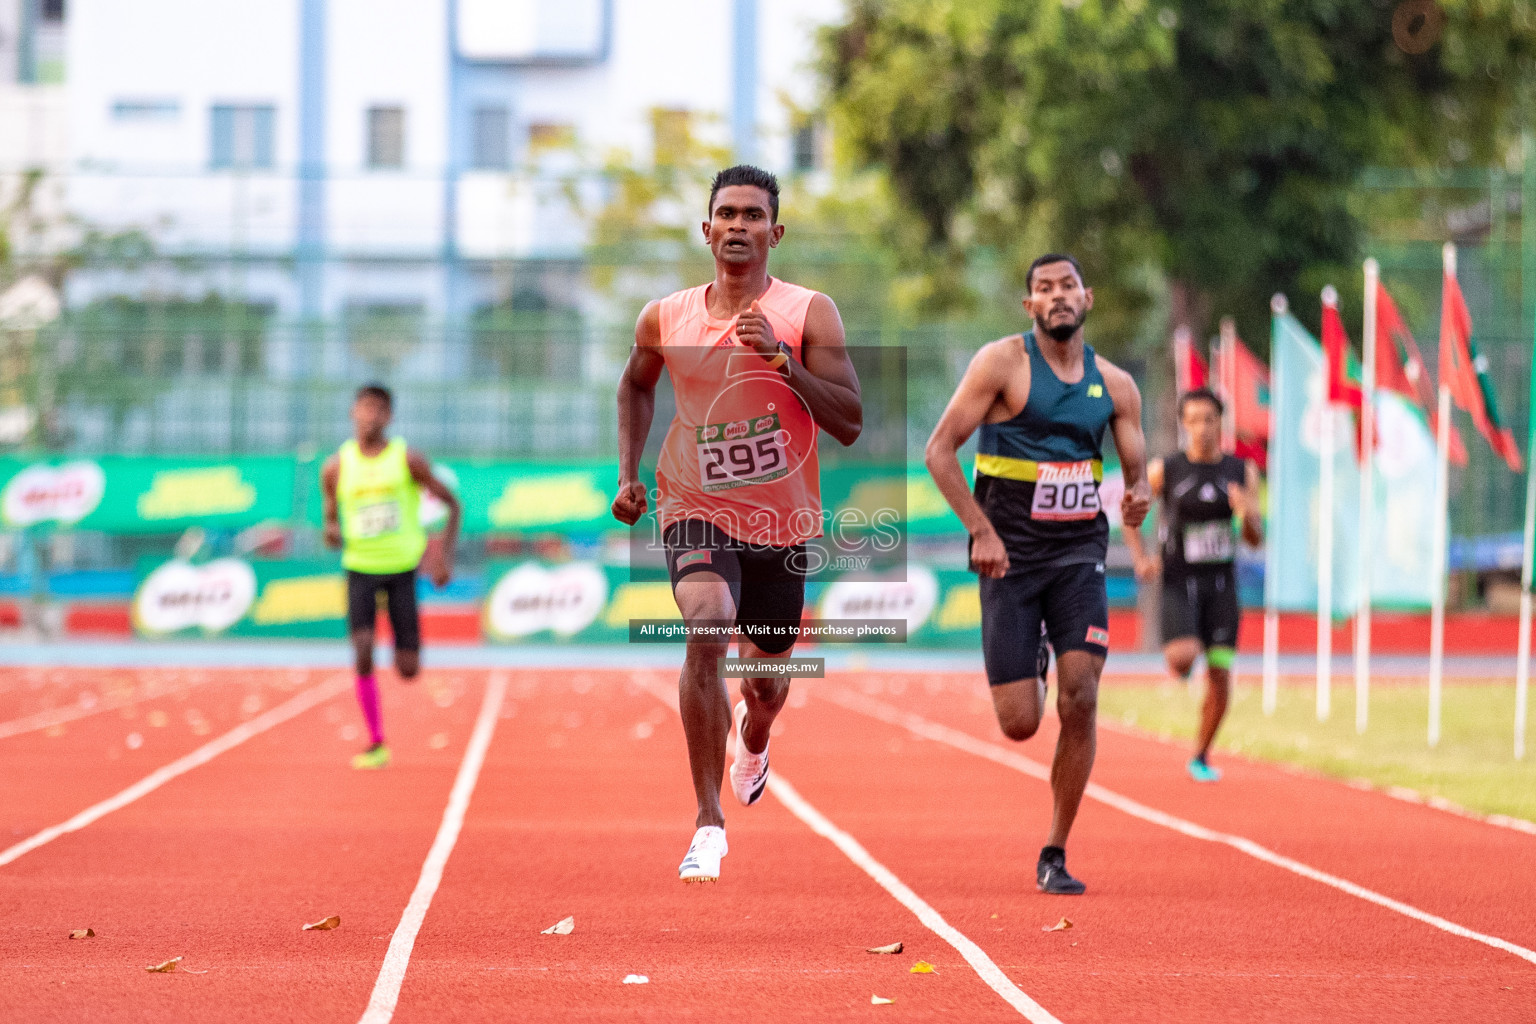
585, 603
236, 597
146, 494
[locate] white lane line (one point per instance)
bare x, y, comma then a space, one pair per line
202, 755
931, 919
1401, 793
801, 808
386, 990
72, 712
1018, 762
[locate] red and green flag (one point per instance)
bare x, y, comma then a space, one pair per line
1400, 368
1343, 385
1465, 371
1244, 382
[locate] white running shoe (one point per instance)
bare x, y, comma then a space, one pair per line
749, 771
702, 864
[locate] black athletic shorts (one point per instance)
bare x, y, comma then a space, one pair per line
399, 589
1202, 605
1070, 600
767, 583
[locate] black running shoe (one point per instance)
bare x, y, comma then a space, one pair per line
1051, 875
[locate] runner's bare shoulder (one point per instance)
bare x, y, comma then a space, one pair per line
648, 325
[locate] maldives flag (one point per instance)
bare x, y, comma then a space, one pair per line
1342, 388
1464, 370
1189, 368
1400, 368
1244, 385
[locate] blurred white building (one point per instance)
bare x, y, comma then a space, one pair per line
325, 157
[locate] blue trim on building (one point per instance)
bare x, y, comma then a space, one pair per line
744, 80
312, 162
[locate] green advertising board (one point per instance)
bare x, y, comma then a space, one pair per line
588, 603
237, 597
511, 497
146, 494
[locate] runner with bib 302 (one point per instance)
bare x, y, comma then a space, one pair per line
1042, 401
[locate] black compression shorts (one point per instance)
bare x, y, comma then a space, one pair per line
1072, 602
399, 589
767, 583
1201, 605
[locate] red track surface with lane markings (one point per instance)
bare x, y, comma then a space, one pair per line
583, 808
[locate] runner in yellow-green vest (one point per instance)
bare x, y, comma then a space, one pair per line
371, 491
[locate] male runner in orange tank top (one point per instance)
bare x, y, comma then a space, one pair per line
758, 368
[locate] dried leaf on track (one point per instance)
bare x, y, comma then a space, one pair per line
636, 979
169, 967
1059, 926
564, 926
894, 947
922, 967
334, 921
880, 1001
83, 933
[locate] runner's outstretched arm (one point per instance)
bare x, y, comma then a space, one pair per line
1245, 502
637, 405
1147, 566
1130, 443
421, 472
978, 391
329, 474
826, 380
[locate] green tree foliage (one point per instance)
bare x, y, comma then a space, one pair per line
1199, 152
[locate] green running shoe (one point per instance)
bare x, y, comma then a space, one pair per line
376, 756
1202, 772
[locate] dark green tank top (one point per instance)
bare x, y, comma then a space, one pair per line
1038, 474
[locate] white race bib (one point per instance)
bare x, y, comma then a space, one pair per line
1065, 491
376, 520
1208, 542
742, 453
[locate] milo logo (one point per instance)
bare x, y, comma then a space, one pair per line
63, 494
763, 423
734, 431
530, 599
179, 595
711, 432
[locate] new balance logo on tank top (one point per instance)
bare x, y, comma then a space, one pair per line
1038, 474
741, 450
1197, 531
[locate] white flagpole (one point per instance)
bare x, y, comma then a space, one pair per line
1523, 662
1442, 530
1227, 384
1271, 688
1523, 658
1367, 538
1325, 544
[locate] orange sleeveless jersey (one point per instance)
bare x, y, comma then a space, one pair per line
741, 451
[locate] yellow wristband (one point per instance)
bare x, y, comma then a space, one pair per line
778, 360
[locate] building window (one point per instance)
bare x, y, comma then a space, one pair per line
52, 10
146, 110
386, 137
546, 137
491, 138
805, 152
243, 137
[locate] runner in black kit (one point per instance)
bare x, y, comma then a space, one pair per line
1202, 491
1042, 401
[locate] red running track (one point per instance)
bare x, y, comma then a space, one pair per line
582, 808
